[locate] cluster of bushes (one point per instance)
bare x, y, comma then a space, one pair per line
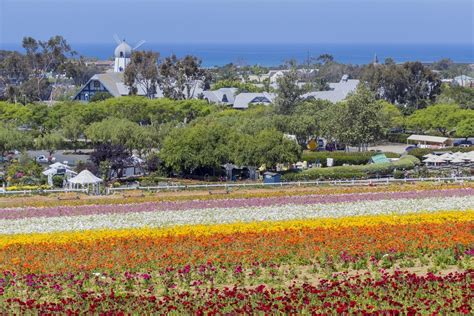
27, 187
420, 152
353, 172
398, 138
341, 158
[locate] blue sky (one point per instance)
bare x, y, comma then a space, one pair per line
245, 21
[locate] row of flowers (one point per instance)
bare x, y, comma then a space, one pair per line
396, 293
415, 236
27, 212
233, 215
40, 201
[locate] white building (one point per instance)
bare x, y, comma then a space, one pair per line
123, 53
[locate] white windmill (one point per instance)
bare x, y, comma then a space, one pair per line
123, 52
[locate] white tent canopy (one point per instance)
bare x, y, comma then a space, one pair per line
85, 177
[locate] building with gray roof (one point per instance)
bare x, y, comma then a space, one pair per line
243, 100
111, 82
338, 91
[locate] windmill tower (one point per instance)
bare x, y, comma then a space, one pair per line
123, 53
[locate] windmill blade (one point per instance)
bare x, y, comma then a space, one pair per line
117, 39
139, 44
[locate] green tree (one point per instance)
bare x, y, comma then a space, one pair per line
289, 94
390, 116
72, 129
360, 120
181, 77
43, 58
465, 128
411, 84
50, 142
143, 71
198, 146
462, 96
101, 96
12, 139
439, 118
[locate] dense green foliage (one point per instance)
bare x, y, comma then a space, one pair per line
353, 172
241, 86
439, 119
341, 158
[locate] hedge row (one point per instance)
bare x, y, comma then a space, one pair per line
353, 172
341, 158
420, 152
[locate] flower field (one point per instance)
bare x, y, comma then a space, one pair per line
393, 250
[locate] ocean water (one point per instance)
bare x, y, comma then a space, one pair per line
276, 54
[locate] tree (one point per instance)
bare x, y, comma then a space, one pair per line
465, 128
268, 147
359, 118
439, 118
326, 58
101, 96
258, 71
143, 71
305, 121
113, 157
44, 57
181, 77
289, 94
113, 131
411, 85
202, 146
79, 70
390, 116
50, 142
462, 96
227, 72
72, 129
12, 139
14, 68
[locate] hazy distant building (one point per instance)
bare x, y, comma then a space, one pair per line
338, 90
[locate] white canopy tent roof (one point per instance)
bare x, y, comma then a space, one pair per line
435, 160
58, 165
85, 177
458, 160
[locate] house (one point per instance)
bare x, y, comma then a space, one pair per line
243, 100
111, 82
224, 96
463, 81
338, 90
426, 141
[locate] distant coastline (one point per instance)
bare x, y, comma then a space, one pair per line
214, 54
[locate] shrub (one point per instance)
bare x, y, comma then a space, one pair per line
341, 158
353, 172
58, 181
27, 187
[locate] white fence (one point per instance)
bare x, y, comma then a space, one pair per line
32, 192
227, 186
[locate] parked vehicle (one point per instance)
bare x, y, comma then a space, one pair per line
410, 148
44, 159
463, 142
